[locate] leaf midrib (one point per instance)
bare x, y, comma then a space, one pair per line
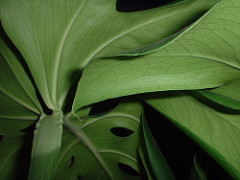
60, 50
82, 136
90, 57
204, 57
14, 98
100, 48
109, 116
9, 156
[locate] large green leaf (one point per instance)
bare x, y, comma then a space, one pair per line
205, 55
93, 147
58, 38
216, 130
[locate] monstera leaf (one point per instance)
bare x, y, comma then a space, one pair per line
49, 47
102, 147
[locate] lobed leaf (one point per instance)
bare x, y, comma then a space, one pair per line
98, 147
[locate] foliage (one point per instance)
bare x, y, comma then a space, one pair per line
59, 58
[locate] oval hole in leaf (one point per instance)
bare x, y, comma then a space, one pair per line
103, 107
1, 138
127, 169
72, 159
121, 132
138, 5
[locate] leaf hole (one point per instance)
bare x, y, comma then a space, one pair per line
121, 132
1, 138
138, 5
127, 169
72, 159
103, 107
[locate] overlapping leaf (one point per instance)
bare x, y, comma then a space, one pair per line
92, 149
216, 130
15, 156
203, 56
58, 39
152, 157
227, 95
18, 98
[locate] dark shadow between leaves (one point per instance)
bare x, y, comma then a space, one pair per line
74, 79
1, 138
128, 170
29, 130
104, 107
176, 146
24, 157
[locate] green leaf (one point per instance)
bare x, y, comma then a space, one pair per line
216, 130
155, 157
15, 85
58, 39
15, 156
15, 126
46, 146
90, 149
227, 95
203, 56
145, 163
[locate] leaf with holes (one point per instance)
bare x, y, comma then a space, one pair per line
101, 147
46, 45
